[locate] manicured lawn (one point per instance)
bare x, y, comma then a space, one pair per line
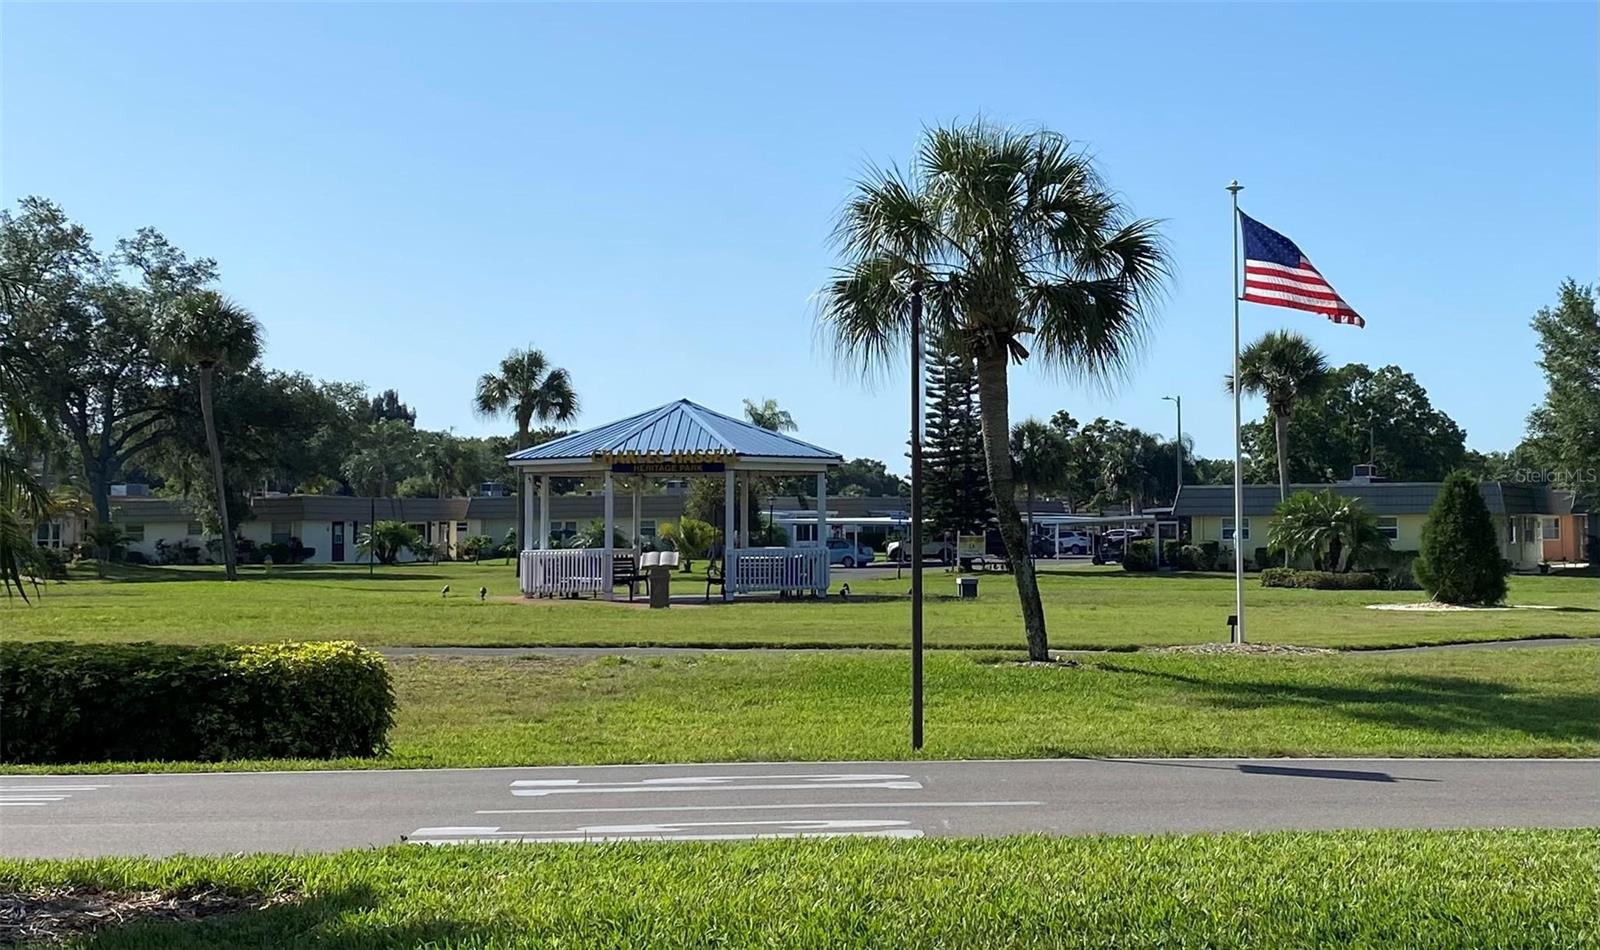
1085, 607
1401, 889
852, 705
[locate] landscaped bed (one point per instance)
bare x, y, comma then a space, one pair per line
1392, 888
854, 705
1085, 607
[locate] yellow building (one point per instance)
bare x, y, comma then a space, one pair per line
1536, 524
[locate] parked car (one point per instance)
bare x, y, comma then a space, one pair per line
846, 553
942, 551
1074, 542
1116, 535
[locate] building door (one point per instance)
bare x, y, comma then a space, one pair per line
337, 554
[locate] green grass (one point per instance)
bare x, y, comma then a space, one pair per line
1089, 608
1323, 889
853, 705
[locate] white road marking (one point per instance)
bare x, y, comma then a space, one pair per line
612, 838
24, 796
675, 831
715, 783
773, 807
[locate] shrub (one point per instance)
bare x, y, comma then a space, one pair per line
1460, 561
385, 540
67, 702
1212, 553
1319, 580
1141, 556
1192, 558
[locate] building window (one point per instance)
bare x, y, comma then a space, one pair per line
1389, 527
1227, 530
282, 531
563, 530
195, 529
48, 534
804, 532
647, 529
133, 533
1552, 529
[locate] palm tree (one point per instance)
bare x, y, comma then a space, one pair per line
529, 388
1039, 458
1327, 526
1020, 249
1284, 368
23, 500
207, 332
769, 416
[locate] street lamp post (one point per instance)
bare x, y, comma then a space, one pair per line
916, 515
1178, 400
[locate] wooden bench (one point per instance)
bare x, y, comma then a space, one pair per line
715, 577
626, 570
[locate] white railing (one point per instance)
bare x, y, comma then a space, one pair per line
779, 569
565, 571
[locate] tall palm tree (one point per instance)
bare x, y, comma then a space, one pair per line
768, 415
207, 332
1039, 459
1019, 249
527, 387
1284, 368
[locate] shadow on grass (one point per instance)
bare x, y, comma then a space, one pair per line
1442, 704
340, 919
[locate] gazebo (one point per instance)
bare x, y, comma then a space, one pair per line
678, 440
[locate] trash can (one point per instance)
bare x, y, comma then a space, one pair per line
660, 586
967, 588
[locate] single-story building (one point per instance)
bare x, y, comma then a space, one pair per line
330, 524
1535, 523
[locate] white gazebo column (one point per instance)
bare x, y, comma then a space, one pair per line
638, 497
729, 571
611, 527
544, 514
525, 523
822, 531
822, 508
744, 512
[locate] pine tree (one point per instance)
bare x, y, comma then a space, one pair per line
1460, 561
956, 493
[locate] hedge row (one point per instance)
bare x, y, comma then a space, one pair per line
1319, 580
67, 702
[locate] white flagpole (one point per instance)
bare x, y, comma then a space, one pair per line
1238, 454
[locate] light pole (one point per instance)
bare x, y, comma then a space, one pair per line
916, 515
1178, 400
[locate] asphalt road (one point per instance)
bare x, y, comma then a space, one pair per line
42, 816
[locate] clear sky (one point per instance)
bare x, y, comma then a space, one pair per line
402, 193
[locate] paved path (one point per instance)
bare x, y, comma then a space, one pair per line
580, 652
316, 811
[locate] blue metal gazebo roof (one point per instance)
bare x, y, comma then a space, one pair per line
677, 428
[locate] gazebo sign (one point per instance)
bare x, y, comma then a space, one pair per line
663, 463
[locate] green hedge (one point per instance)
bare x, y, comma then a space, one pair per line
67, 702
1319, 580
1141, 556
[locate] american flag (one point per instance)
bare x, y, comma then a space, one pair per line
1278, 275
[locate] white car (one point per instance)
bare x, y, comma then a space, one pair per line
1073, 542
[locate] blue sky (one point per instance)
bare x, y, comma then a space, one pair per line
402, 193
